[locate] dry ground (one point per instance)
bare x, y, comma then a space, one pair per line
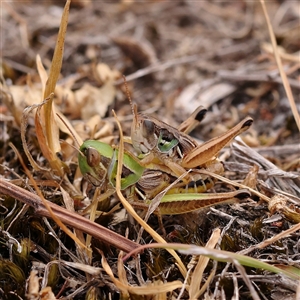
175, 56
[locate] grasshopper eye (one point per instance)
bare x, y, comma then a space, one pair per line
148, 128
93, 157
166, 135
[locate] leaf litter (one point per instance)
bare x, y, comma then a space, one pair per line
175, 57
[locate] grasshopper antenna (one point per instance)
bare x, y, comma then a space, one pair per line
133, 106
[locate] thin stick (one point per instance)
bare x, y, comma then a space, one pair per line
161, 66
285, 82
70, 218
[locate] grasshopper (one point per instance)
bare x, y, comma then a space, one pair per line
97, 162
162, 146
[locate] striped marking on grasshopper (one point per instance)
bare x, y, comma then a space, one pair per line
183, 203
153, 182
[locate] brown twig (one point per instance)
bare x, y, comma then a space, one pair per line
159, 66
71, 219
257, 77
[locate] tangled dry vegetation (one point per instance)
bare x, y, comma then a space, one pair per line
55, 242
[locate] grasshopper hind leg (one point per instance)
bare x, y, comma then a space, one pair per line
193, 120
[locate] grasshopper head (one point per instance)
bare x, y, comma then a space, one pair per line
143, 134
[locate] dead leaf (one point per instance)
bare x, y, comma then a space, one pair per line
95, 101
